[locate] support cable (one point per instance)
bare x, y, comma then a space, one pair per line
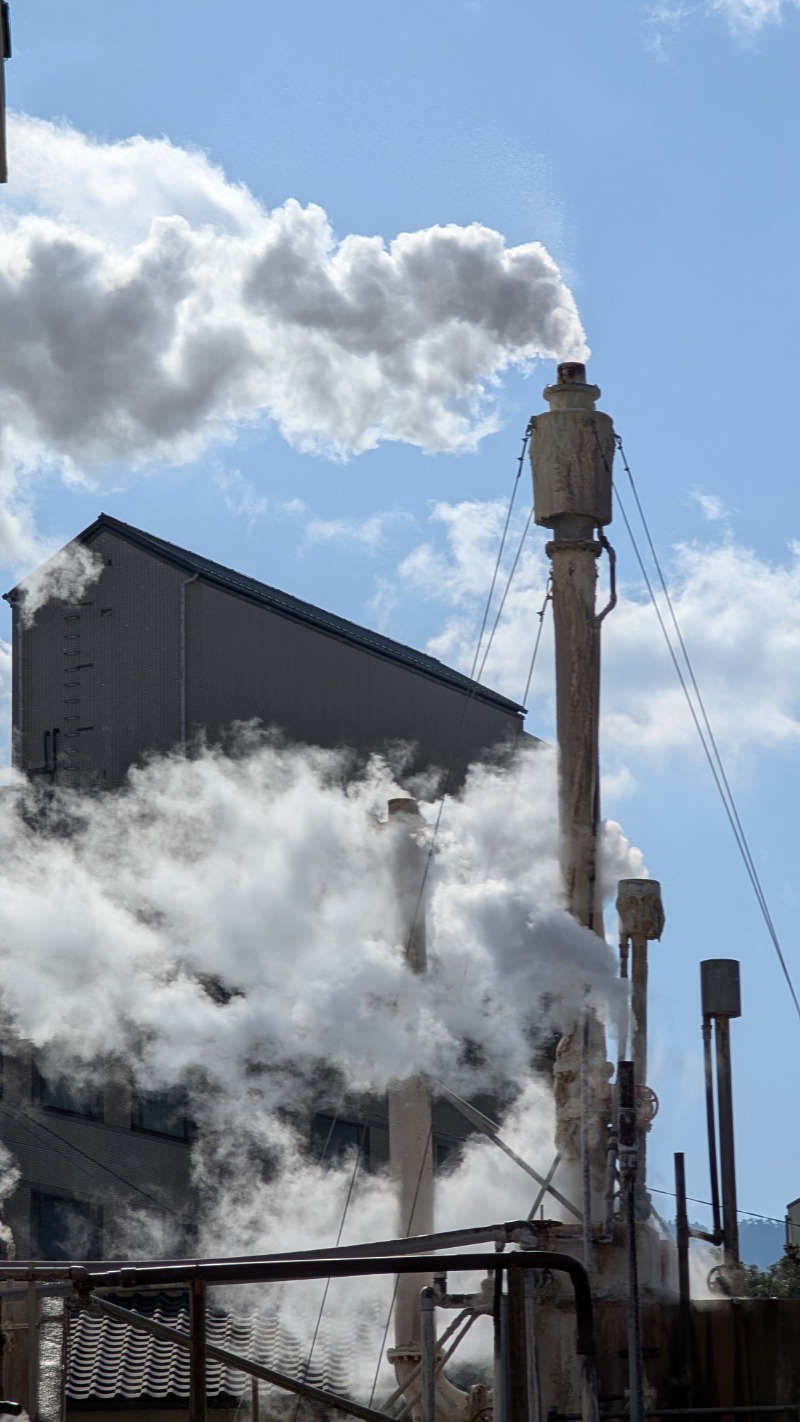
706, 736
469, 698
500, 550
507, 589
318, 1323
723, 784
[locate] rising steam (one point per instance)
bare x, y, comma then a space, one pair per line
148, 305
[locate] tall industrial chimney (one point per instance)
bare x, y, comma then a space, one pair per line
572, 450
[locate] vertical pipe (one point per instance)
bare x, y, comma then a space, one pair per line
712, 1130
684, 1295
197, 1351
534, 1376
586, 1159
410, 1110
254, 1402
627, 1143
730, 1218
182, 709
639, 981
33, 1352
518, 1397
427, 1321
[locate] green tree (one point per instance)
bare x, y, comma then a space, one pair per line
780, 1281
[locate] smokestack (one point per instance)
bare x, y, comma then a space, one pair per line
410, 1111
572, 449
721, 1000
641, 920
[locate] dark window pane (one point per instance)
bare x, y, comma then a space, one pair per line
164, 1113
332, 1138
74, 1098
65, 1229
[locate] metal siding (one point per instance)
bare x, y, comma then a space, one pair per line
245, 661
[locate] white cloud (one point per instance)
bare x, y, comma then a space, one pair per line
711, 506
368, 533
744, 18
149, 306
739, 615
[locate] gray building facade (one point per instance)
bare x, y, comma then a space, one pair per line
162, 648
166, 645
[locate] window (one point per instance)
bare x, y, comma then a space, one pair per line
65, 1229
164, 1113
71, 1097
445, 1154
333, 1138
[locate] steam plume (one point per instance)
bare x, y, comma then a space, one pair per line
148, 305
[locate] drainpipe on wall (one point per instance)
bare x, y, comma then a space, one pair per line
182, 659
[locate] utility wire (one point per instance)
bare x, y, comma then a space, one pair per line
728, 798
704, 731
32, 1124
747, 1214
348, 1198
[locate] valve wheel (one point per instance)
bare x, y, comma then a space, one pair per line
646, 1104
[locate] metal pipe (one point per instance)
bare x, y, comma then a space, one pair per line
197, 1352
427, 1330
255, 1408
627, 1152
684, 1294
713, 1167
88, 1277
534, 1377
730, 1218
182, 659
586, 1160
639, 982
242, 1365
33, 1351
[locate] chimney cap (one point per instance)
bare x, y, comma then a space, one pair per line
571, 372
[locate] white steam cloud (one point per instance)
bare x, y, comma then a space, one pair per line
231, 923
148, 306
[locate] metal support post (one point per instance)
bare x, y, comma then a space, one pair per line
197, 1351
534, 1376
427, 1320
684, 1295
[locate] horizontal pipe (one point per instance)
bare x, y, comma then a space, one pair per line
281, 1271
510, 1232
242, 1365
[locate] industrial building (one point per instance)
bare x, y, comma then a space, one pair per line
163, 650
165, 646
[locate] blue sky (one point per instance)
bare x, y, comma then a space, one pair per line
652, 151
